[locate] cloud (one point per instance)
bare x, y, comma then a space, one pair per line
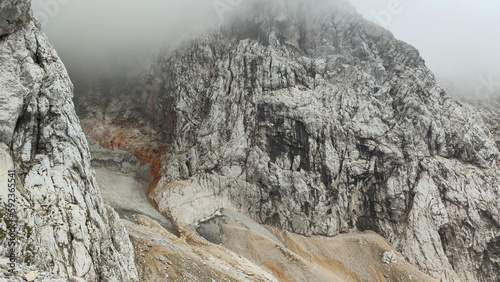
457, 38
118, 34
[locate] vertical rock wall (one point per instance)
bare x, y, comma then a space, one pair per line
64, 226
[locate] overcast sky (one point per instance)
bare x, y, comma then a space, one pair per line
455, 37
90, 33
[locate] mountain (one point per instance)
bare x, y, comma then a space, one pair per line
481, 93
295, 142
305, 117
63, 225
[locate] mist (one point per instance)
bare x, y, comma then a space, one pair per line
116, 36
457, 38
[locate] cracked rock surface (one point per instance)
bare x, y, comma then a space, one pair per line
307, 117
63, 225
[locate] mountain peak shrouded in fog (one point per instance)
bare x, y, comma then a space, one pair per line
454, 37
117, 35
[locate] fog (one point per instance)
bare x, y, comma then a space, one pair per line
118, 35
457, 38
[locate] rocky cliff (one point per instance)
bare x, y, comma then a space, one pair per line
63, 225
309, 118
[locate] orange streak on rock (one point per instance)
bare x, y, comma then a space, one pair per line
145, 148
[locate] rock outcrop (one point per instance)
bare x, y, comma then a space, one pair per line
311, 119
63, 225
13, 14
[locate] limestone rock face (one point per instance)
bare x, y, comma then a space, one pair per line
309, 118
63, 225
490, 110
13, 13
24, 272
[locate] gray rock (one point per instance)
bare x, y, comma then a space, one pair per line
311, 119
31, 276
25, 273
13, 14
389, 257
210, 228
117, 160
76, 279
64, 226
